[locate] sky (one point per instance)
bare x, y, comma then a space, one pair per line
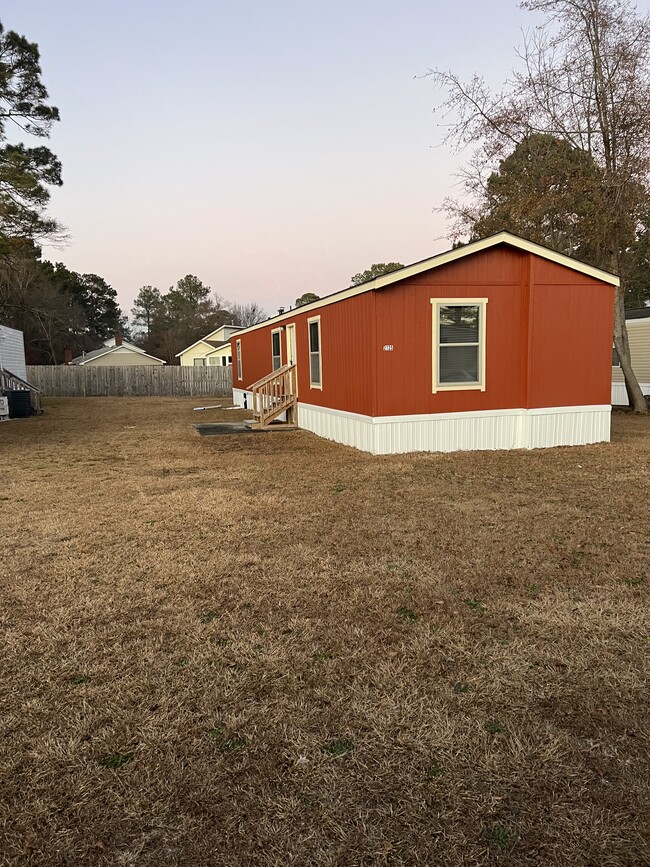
269, 147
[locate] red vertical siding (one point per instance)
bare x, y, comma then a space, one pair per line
404, 320
548, 340
346, 355
571, 338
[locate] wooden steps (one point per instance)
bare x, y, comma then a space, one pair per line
273, 395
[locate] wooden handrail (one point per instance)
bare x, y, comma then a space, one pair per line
270, 376
10, 380
274, 394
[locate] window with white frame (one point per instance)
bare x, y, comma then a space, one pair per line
276, 348
239, 366
315, 366
459, 343
199, 362
213, 361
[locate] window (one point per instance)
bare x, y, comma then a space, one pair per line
276, 348
315, 372
199, 362
230, 359
239, 366
458, 343
213, 361
616, 361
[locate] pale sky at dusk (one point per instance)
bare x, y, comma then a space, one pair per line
270, 148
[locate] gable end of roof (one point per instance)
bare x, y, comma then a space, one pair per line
436, 262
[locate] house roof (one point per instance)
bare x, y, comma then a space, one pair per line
638, 313
191, 346
106, 350
110, 342
444, 259
221, 346
208, 338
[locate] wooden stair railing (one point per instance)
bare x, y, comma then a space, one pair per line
274, 394
12, 382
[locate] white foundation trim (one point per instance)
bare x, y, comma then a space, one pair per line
460, 431
619, 392
243, 398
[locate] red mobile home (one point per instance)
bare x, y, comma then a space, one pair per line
495, 345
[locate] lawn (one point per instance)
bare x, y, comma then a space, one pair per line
274, 650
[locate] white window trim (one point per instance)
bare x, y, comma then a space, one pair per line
240, 369
436, 304
316, 385
277, 331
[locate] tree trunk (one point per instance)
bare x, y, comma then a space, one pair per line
634, 393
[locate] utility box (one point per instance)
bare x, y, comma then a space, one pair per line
4, 409
20, 403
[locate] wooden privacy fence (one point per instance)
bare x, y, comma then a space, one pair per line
130, 381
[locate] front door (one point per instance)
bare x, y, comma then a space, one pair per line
291, 352
291, 344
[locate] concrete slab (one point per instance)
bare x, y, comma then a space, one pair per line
223, 428
228, 428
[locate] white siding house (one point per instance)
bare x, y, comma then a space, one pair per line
638, 330
116, 352
212, 349
12, 351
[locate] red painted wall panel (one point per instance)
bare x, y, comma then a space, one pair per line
405, 320
572, 318
346, 355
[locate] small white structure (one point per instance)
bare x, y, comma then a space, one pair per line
12, 351
638, 332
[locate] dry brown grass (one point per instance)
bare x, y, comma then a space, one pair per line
229, 614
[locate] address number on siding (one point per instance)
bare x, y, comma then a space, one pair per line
388, 347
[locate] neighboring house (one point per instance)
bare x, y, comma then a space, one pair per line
12, 351
13, 376
116, 352
638, 332
212, 349
498, 344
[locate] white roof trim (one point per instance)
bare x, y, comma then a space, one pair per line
208, 337
444, 259
110, 349
187, 348
101, 355
226, 346
124, 343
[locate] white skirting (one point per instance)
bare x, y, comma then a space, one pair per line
241, 397
460, 431
619, 393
